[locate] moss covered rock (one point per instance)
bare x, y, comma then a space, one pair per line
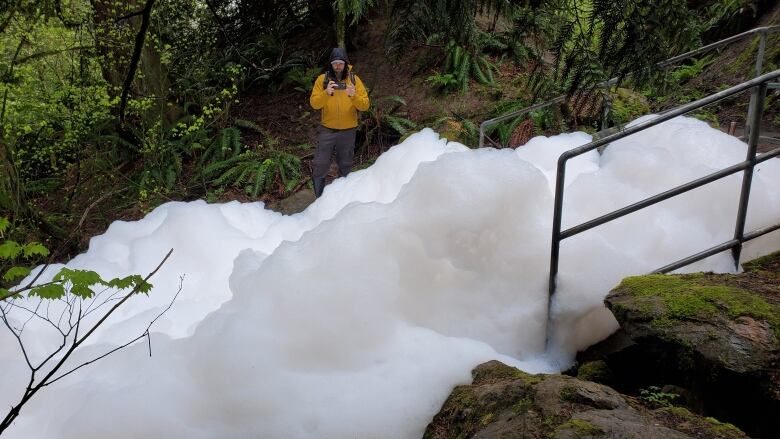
715, 335
504, 402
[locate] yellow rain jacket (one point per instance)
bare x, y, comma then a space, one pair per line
339, 111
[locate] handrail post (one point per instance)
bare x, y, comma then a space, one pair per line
756, 111
759, 68
607, 109
560, 179
760, 55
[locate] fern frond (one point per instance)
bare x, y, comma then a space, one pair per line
249, 125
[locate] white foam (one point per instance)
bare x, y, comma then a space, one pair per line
356, 317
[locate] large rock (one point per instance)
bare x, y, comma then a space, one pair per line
714, 337
504, 402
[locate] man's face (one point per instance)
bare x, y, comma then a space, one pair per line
338, 66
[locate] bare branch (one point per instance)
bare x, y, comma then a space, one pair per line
94, 203
129, 16
35, 314
144, 334
33, 388
18, 338
24, 325
38, 55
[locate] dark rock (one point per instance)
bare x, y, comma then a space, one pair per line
716, 338
504, 402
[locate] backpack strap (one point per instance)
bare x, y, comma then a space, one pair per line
326, 79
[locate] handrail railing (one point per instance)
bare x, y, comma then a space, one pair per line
759, 87
762, 31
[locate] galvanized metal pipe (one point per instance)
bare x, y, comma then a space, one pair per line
757, 105
697, 257
758, 82
716, 249
741, 166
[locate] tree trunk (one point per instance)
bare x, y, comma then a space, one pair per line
341, 19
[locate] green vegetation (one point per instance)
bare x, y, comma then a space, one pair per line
14, 266
686, 422
693, 297
158, 101
627, 105
654, 397
597, 371
759, 264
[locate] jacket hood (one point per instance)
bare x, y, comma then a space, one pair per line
339, 54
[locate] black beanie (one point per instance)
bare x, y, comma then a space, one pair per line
339, 54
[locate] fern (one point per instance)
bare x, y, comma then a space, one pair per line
249, 171
249, 125
226, 144
401, 125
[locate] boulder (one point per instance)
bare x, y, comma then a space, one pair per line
504, 402
714, 339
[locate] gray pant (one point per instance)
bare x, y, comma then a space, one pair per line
328, 140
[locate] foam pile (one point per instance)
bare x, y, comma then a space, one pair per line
356, 317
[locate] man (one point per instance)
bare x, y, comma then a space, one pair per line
340, 94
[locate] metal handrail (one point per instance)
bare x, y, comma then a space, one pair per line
759, 87
763, 31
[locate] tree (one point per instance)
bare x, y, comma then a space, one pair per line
344, 8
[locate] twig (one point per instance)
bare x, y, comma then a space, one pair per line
129, 16
94, 203
33, 388
144, 334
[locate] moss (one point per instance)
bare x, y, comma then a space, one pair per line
690, 297
486, 419
580, 427
503, 372
687, 422
628, 105
722, 428
569, 393
759, 264
745, 59
549, 422
524, 405
594, 371
463, 396
708, 117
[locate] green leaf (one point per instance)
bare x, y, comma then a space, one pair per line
143, 286
15, 273
4, 223
35, 249
82, 291
122, 283
9, 250
51, 291
130, 281
79, 277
